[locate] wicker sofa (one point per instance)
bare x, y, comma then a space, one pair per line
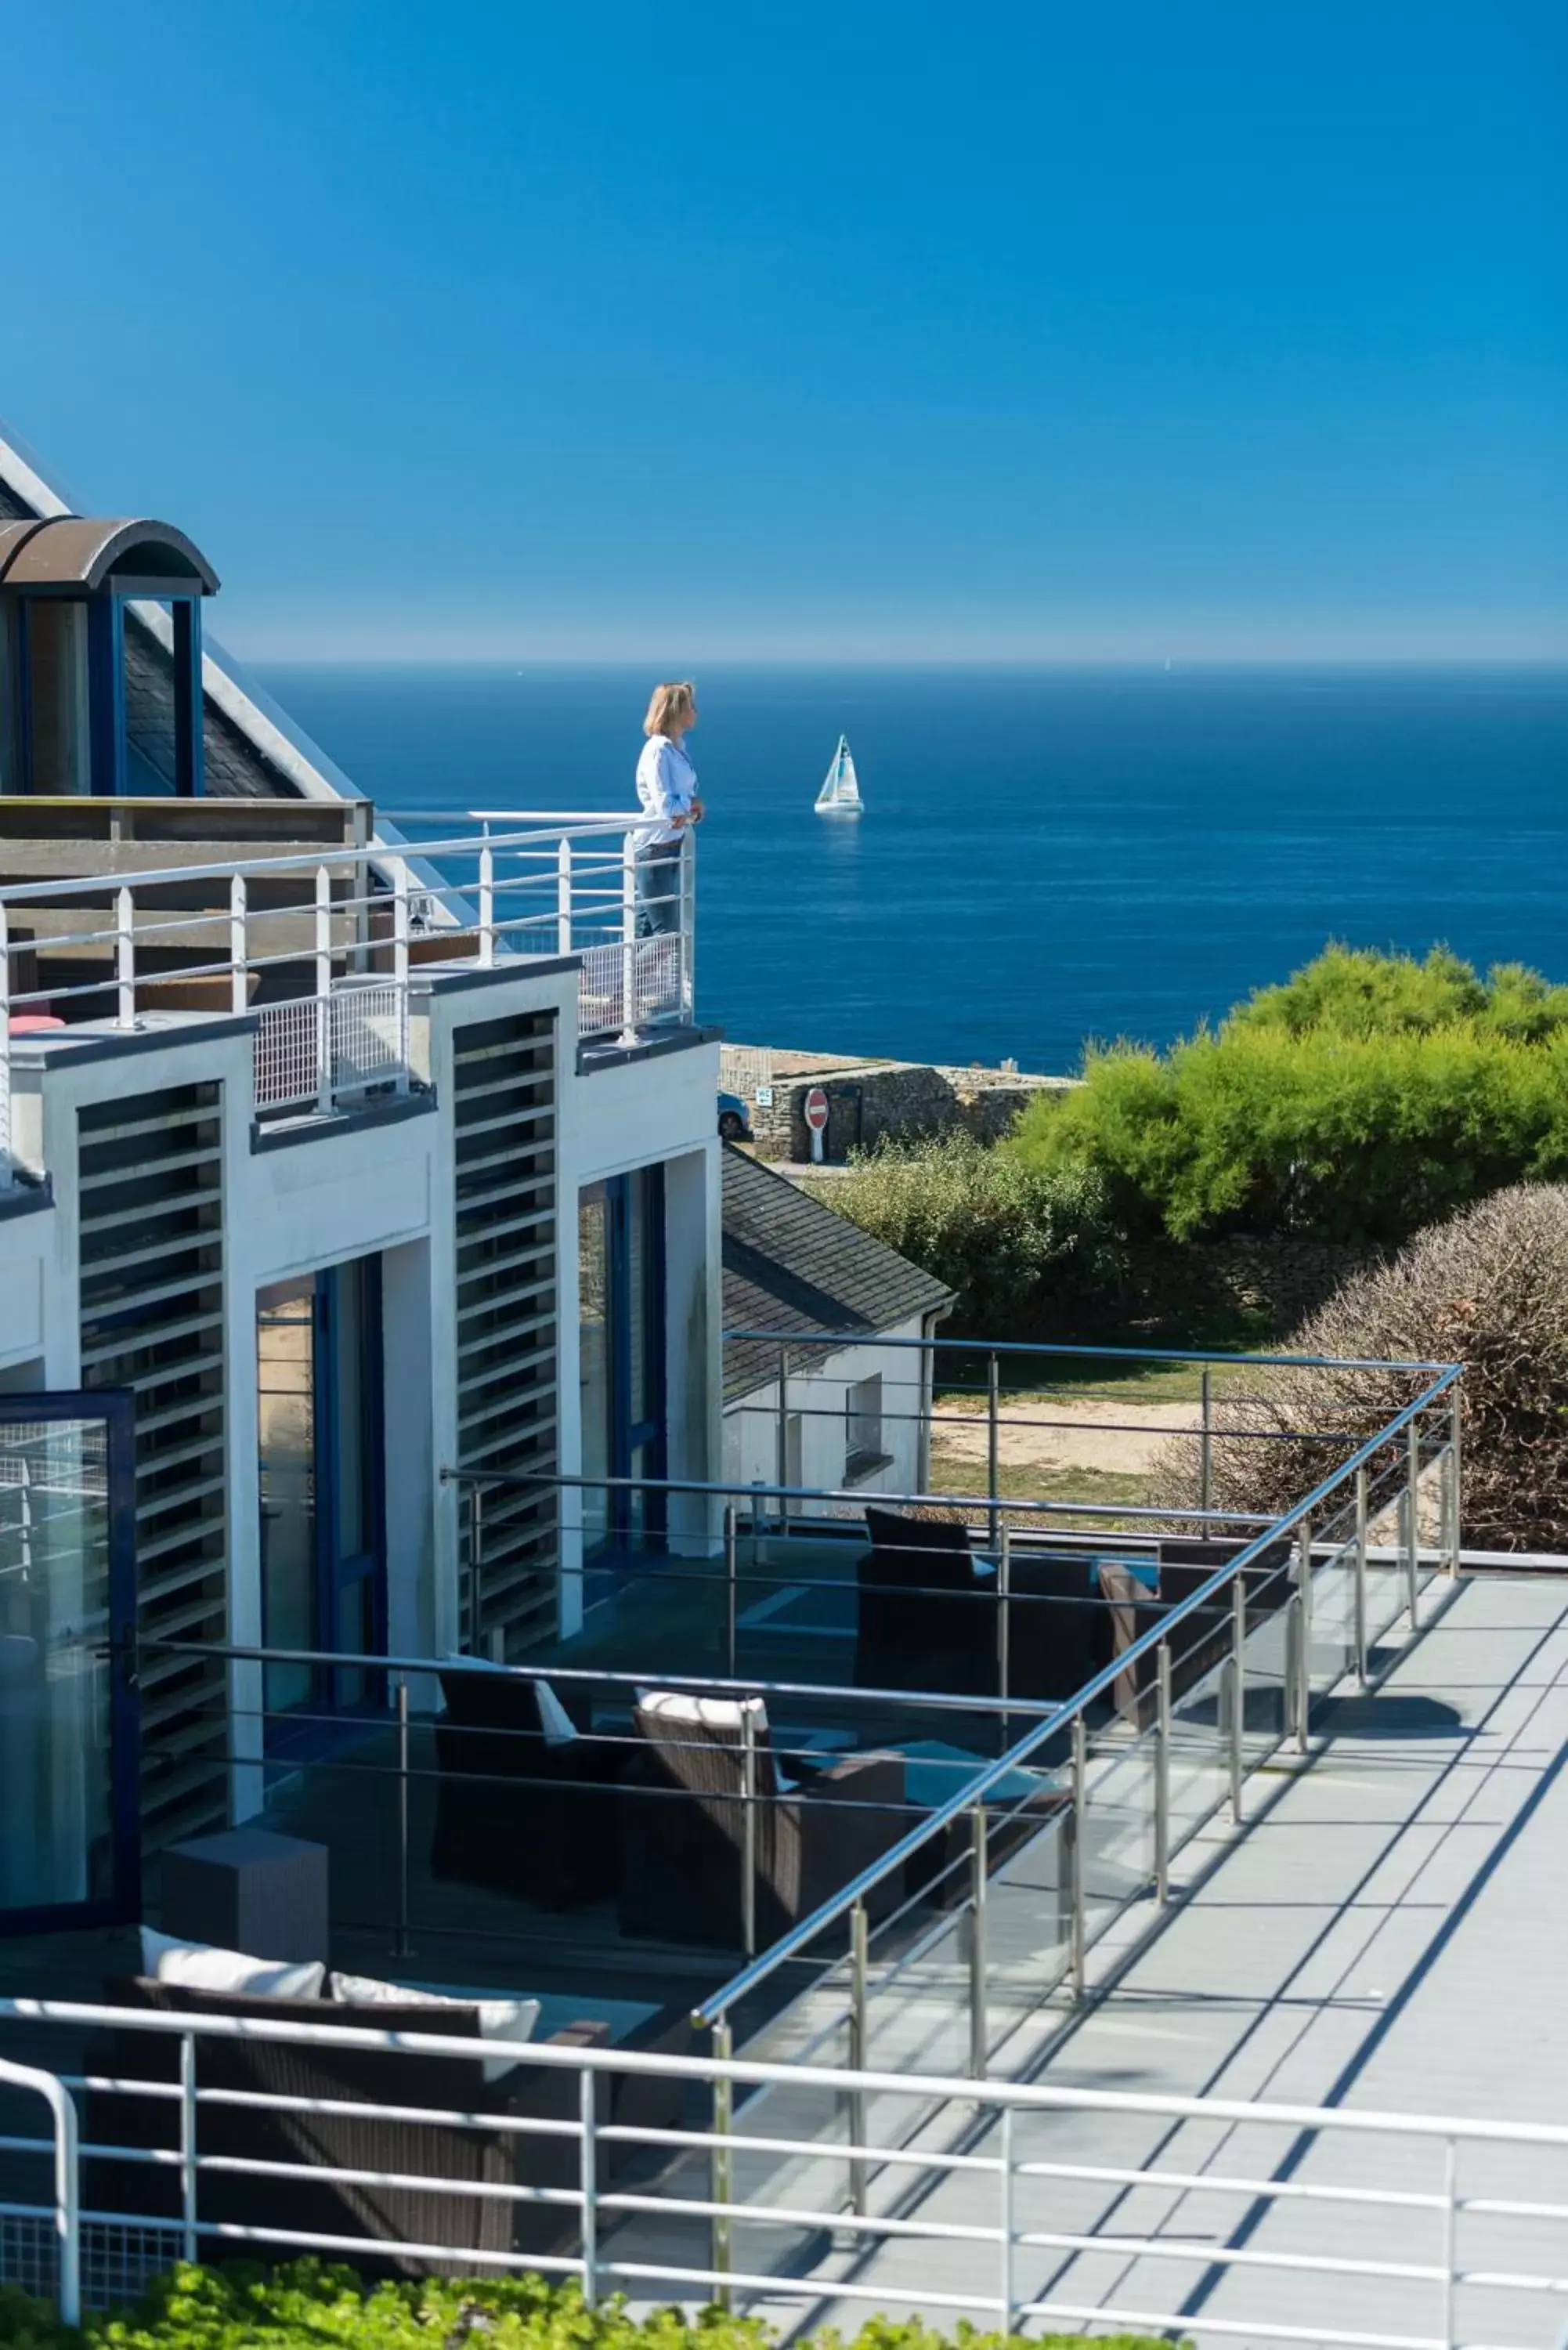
375, 2132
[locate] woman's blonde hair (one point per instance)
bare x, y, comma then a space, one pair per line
677, 701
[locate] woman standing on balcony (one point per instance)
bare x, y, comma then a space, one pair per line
666, 789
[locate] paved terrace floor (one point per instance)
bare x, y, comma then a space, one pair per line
1387, 1935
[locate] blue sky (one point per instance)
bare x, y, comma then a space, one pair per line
1034, 331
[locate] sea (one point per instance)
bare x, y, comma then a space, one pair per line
1047, 858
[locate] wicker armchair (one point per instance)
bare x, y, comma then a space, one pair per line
683, 1818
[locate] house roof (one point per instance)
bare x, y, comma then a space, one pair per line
792, 1264
77, 551
252, 750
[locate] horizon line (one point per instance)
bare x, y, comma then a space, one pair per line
1124, 663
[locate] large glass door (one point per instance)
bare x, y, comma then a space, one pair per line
323, 1549
69, 1846
622, 1340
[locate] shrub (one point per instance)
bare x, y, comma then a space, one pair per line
310, 2307
1489, 1289
1022, 1246
1367, 1097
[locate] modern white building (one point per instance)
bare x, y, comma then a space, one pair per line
356, 1169
841, 1410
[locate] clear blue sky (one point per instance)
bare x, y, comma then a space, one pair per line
865, 329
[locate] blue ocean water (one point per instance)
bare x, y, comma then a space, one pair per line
1047, 856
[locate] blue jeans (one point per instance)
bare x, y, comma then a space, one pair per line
658, 890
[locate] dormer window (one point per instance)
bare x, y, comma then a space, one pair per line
100, 659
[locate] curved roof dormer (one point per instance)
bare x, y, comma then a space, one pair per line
85, 555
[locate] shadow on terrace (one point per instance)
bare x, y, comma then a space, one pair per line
776, 1708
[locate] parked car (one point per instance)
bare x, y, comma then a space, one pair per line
733, 1121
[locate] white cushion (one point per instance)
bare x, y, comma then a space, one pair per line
553, 1719
499, 2019
684, 1708
201, 1966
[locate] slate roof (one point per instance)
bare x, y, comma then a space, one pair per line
790, 1264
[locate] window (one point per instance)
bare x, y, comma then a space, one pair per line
621, 1341
863, 1433
55, 634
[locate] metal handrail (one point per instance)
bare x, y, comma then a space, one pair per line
856, 1496
849, 2091
68, 2176
838, 1906
839, 1340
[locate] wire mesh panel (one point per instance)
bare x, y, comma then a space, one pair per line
601, 989
369, 1026
286, 1050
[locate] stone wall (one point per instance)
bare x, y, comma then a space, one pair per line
870, 1102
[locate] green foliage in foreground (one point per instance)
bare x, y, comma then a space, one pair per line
1012, 1239
311, 2307
1367, 1097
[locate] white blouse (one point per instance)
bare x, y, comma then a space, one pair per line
665, 787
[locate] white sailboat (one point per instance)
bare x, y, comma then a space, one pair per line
840, 793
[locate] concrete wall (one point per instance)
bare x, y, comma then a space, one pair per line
342, 1189
819, 1394
874, 1102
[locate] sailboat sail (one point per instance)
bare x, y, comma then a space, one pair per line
840, 793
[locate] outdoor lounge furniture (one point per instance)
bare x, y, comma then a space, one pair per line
365, 2139
683, 1824
924, 1620
522, 1806
247, 1888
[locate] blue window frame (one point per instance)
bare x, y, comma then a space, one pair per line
70, 1731
323, 1488
621, 1276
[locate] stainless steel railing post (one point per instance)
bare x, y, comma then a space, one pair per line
1238, 1690
858, 2045
1009, 2300
979, 1871
781, 1448
993, 1441
401, 1941
1361, 1659
1304, 1647
731, 1587
1077, 1933
189, 2240
1456, 1486
748, 1832
1004, 1626
1413, 1525
475, 1559
587, 2179
1206, 1445
723, 2162
1162, 1774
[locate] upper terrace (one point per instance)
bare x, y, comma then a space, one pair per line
121, 916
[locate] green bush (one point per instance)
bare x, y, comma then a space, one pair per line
1366, 1099
310, 2307
1024, 1247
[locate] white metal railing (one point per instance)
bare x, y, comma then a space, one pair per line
1219, 2219
352, 923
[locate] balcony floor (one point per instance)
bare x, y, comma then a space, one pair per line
1387, 1935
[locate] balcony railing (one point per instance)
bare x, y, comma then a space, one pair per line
320, 947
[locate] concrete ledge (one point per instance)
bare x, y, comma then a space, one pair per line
24, 1195
607, 1054
311, 1126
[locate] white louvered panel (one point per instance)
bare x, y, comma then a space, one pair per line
503, 1090
152, 1312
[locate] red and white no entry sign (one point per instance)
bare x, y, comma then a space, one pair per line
816, 1110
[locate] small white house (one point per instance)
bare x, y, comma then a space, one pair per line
841, 1408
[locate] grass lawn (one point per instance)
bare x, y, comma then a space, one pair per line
1116, 1382
1017, 1481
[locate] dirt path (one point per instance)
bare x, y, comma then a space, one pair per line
1121, 1436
